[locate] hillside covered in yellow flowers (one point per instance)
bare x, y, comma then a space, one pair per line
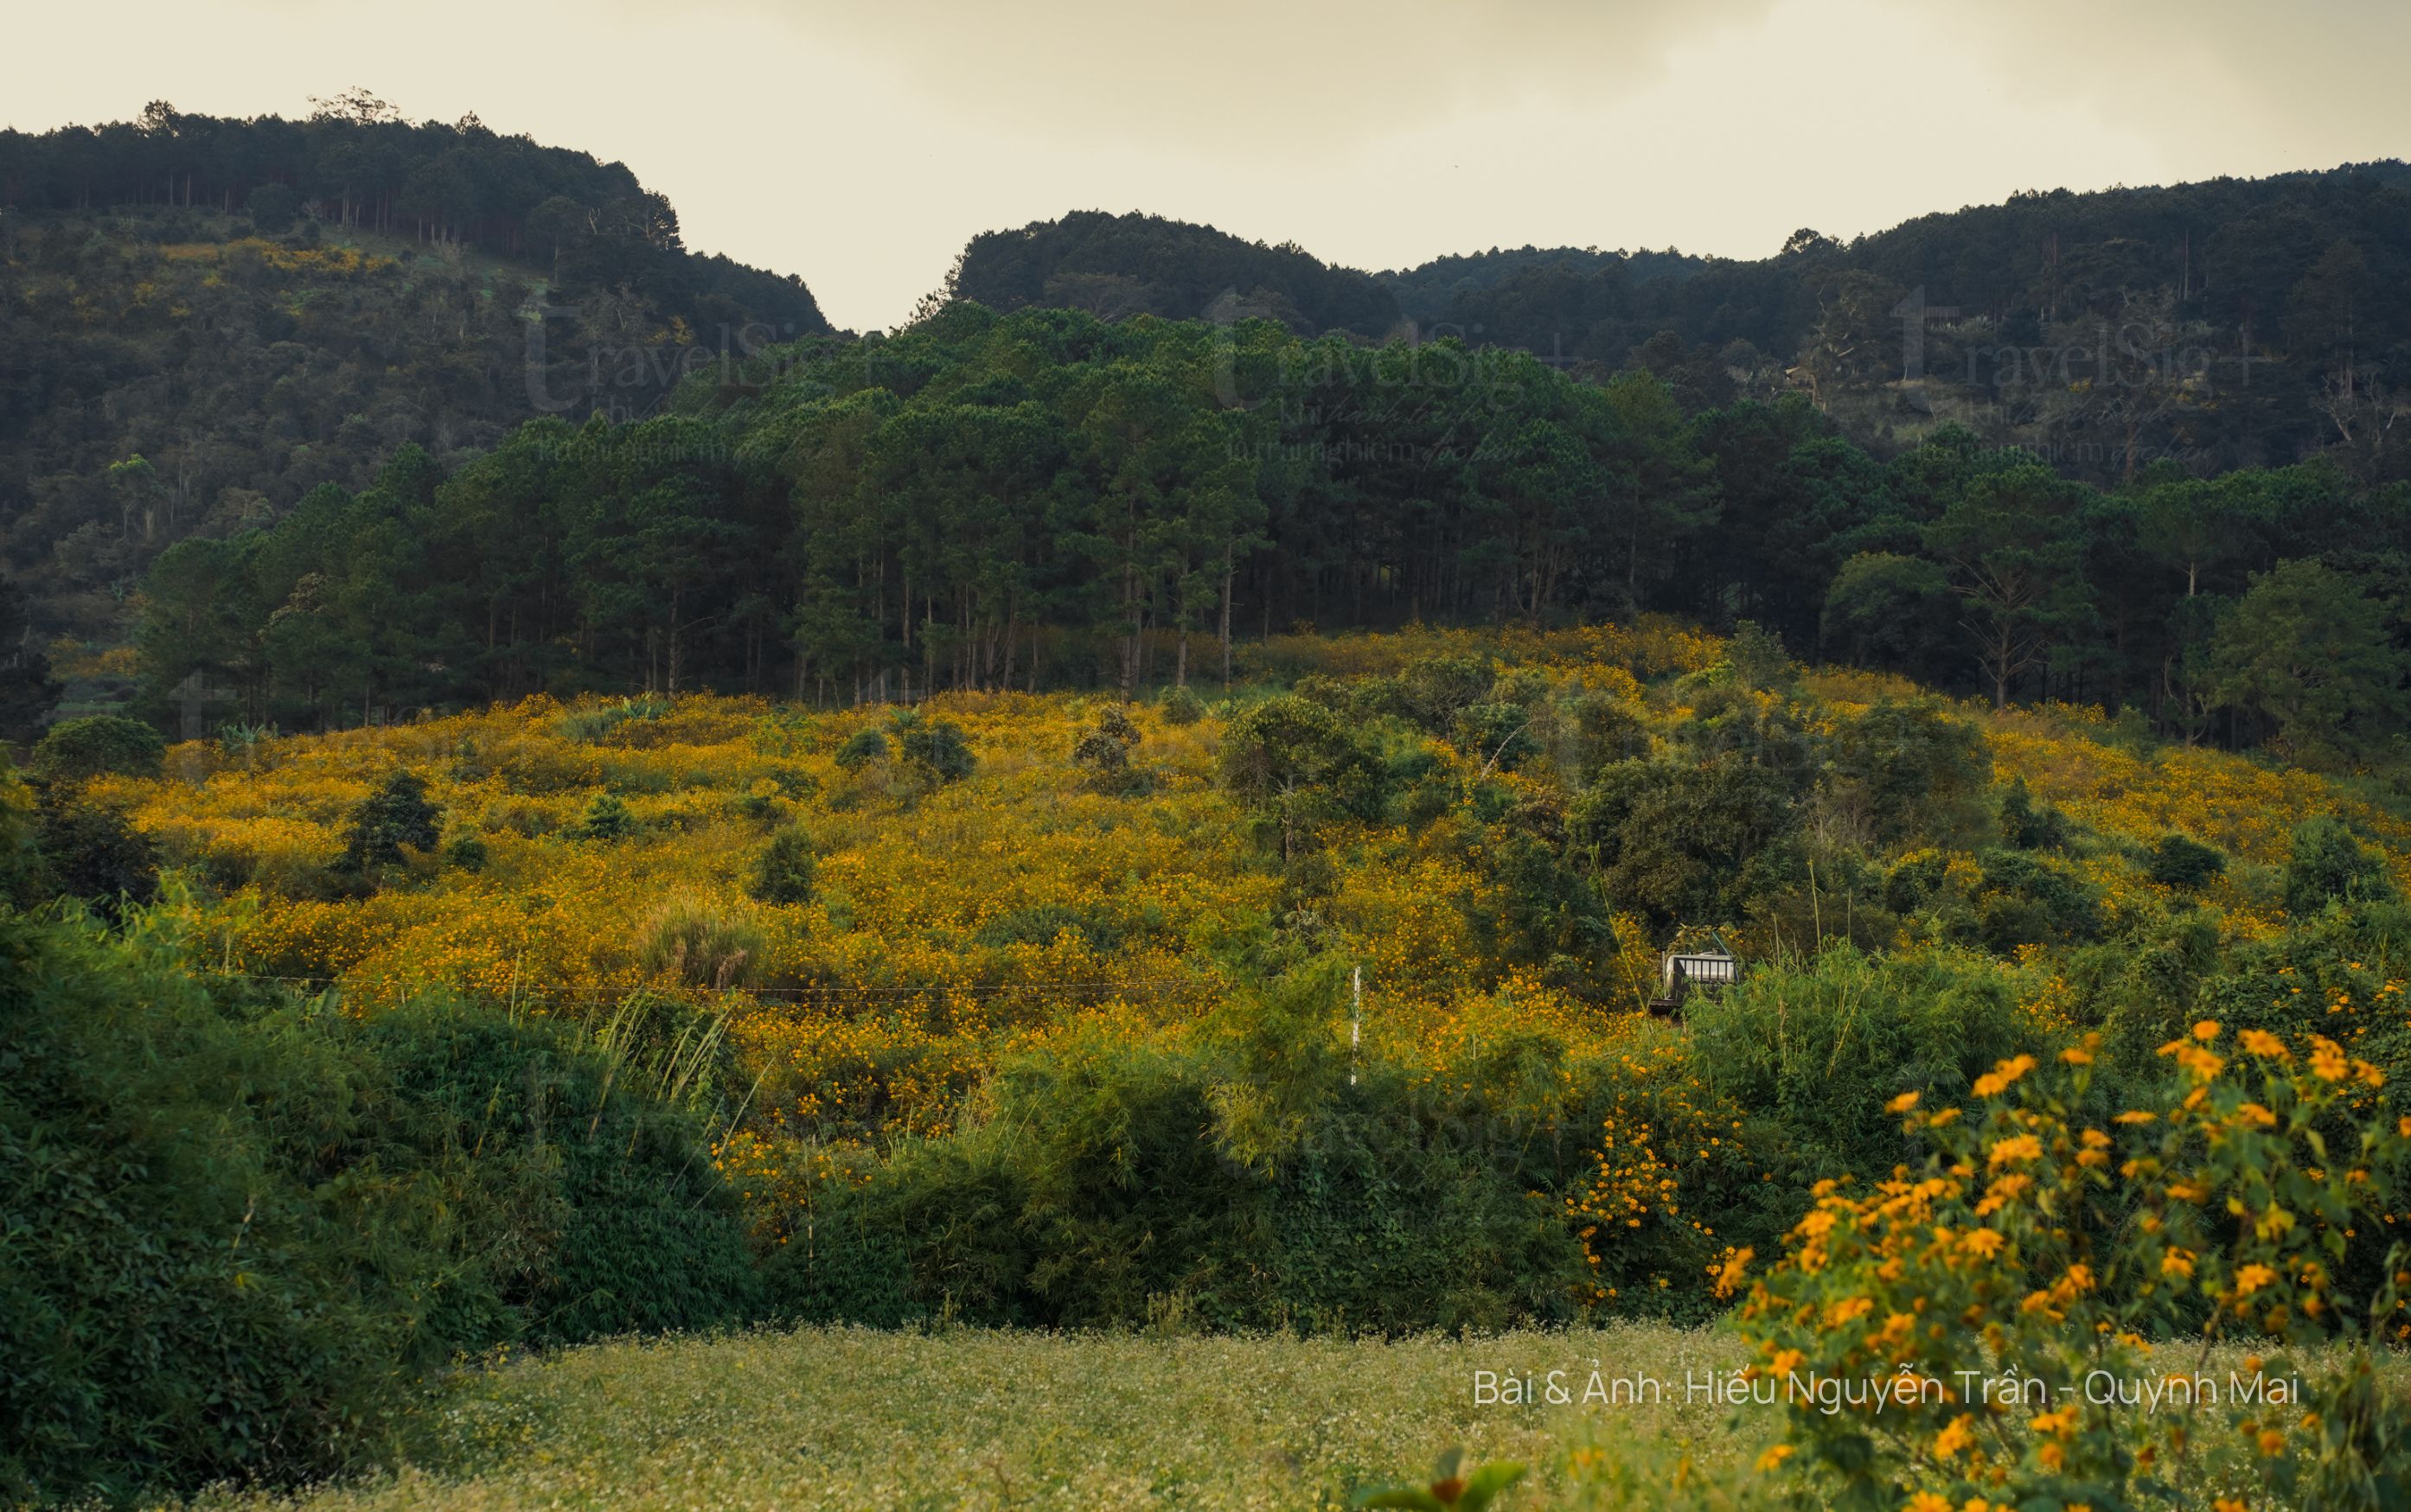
1505, 899
1325, 1004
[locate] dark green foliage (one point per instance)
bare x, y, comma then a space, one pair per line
236, 1229
1912, 884
1433, 688
2016, 898
1591, 729
936, 750
1758, 659
2181, 861
1041, 926
1243, 1181
315, 367
273, 208
1117, 266
2329, 865
636, 1232
2312, 656
1686, 844
860, 749
1546, 913
28, 693
98, 745
466, 852
94, 854
1912, 772
1181, 706
1891, 612
176, 1304
607, 818
787, 870
396, 816
1108, 469
1103, 755
1494, 736
1297, 765
2028, 825
1815, 1051
2023, 900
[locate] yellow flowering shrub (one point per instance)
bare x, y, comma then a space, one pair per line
2036, 1315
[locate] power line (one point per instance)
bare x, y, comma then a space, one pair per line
1156, 986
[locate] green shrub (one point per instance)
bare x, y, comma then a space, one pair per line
607, 818
168, 1308
1296, 766
787, 871
2179, 861
1432, 688
273, 208
1493, 736
936, 748
1179, 706
2028, 825
1244, 1173
2328, 865
237, 1228
591, 726
632, 1231
99, 745
1103, 755
467, 853
2023, 900
861, 749
1043, 923
1687, 844
1815, 1051
1911, 770
94, 854
397, 814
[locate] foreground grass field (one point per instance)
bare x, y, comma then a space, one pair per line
983, 1419
857, 1418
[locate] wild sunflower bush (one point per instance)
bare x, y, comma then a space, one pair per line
2027, 1315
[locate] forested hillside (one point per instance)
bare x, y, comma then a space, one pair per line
2226, 324
1044, 500
1118, 266
206, 318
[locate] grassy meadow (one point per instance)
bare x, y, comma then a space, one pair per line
985, 1420
978, 1419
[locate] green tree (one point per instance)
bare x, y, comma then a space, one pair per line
2017, 564
1297, 766
2326, 865
397, 814
1891, 612
98, 745
787, 870
2308, 654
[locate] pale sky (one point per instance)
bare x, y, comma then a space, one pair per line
861, 145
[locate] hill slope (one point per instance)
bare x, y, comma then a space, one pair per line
1118, 266
253, 308
2229, 322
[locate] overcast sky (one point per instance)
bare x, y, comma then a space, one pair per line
861, 145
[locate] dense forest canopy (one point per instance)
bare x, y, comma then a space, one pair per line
1116, 265
1044, 499
2225, 324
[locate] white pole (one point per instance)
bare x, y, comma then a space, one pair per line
1355, 1023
